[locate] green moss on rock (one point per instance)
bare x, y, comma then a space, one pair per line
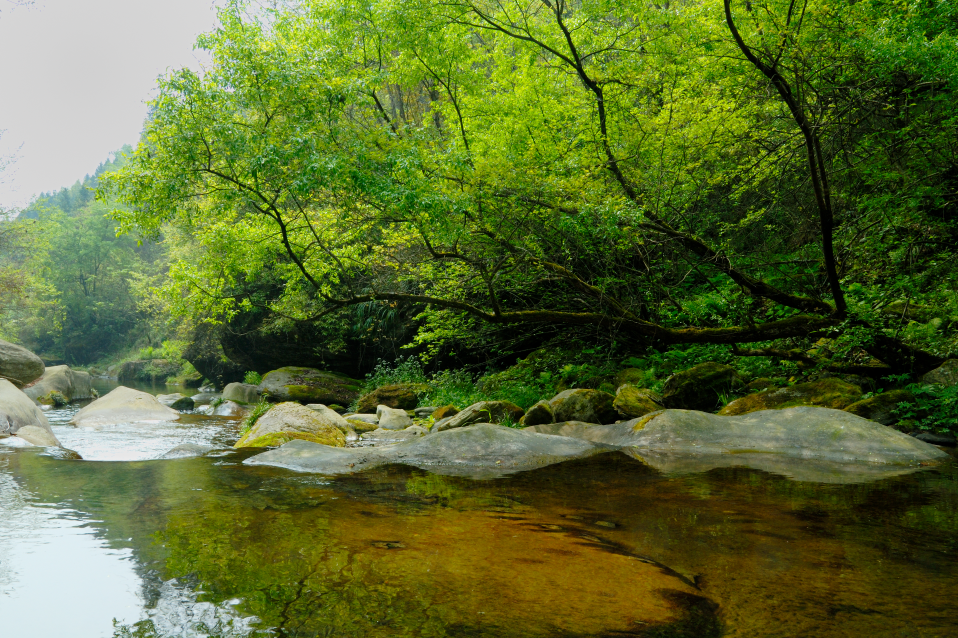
702, 387
881, 407
824, 393
404, 396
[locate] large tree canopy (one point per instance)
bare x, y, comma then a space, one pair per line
692, 172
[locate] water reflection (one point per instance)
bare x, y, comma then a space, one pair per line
599, 547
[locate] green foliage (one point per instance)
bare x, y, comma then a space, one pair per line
258, 410
936, 407
252, 377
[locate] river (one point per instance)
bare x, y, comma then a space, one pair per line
122, 544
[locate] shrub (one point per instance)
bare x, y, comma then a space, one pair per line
258, 410
253, 378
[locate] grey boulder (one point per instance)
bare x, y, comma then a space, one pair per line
229, 409
946, 374
205, 398
481, 412
123, 405
243, 393
18, 411
392, 418
72, 384
484, 450
18, 365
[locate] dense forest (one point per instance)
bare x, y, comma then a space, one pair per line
469, 181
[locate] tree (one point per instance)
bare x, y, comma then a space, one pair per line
593, 166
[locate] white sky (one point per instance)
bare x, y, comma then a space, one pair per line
74, 78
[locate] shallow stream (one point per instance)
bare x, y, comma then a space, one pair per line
121, 544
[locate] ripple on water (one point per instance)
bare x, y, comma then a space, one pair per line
140, 441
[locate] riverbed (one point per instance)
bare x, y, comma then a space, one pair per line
125, 544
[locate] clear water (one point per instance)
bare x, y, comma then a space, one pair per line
121, 545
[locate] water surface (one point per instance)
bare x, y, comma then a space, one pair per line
599, 547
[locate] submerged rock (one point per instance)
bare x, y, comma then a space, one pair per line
481, 412
631, 402
205, 398
243, 393
591, 406
480, 451
123, 405
825, 393
18, 365
71, 384
289, 421
17, 411
404, 396
188, 450
701, 387
308, 385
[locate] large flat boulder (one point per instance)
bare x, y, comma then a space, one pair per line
18, 411
291, 421
123, 405
802, 433
308, 385
18, 365
479, 451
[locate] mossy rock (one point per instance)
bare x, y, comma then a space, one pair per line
539, 414
945, 375
632, 402
701, 388
445, 411
54, 398
308, 385
289, 421
764, 383
583, 404
403, 396
881, 407
824, 393
361, 426
629, 376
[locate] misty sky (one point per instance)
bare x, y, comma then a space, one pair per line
74, 76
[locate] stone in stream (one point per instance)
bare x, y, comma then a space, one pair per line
18, 411
483, 450
832, 445
18, 365
291, 421
404, 396
591, 406
205, 398
308, 385
229, 409
631, 402
176, 401
244, 393
123, 405
824, 393
700, 387
71, 384
481, 412
392, 418
38, 435
188, 450
539, 413
394, 436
